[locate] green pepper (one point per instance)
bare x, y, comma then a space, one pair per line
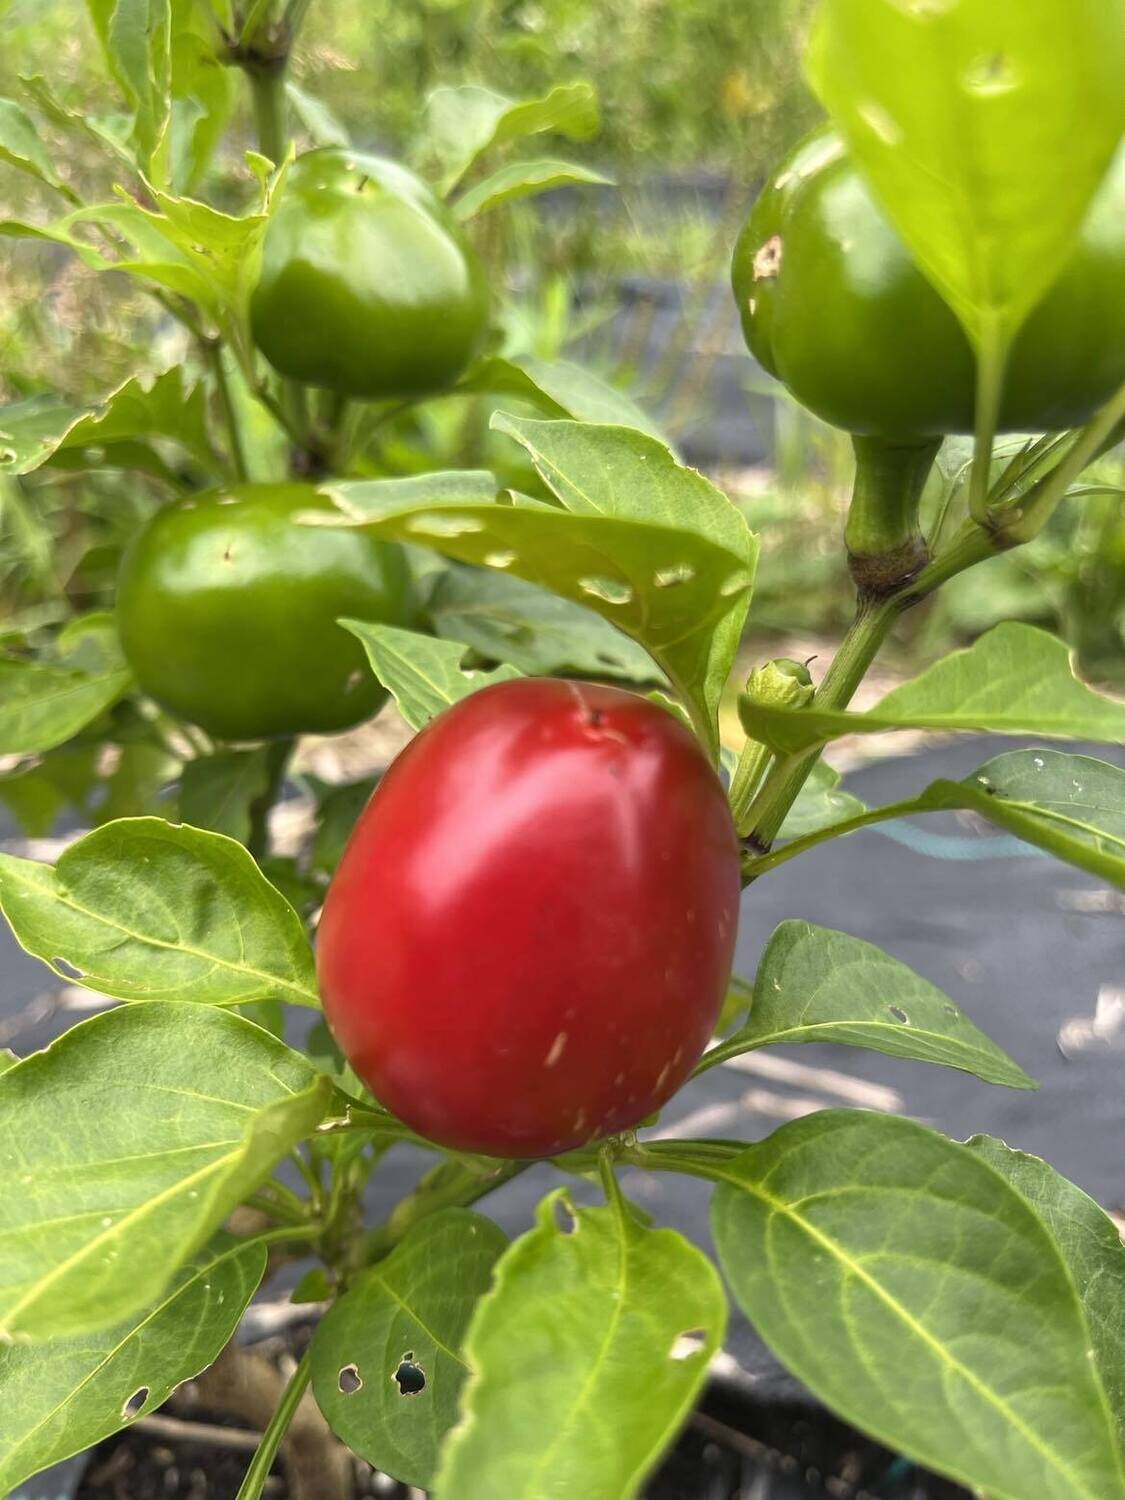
227, 611
368, 286
833, 304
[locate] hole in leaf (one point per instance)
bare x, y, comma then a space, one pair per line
609, 589
409, 1377
668, 578
992, 74
925, 10
565, 1216
736, 583
7, 455
501, 559
436, 525
899, 1015
69, 969
349, 1381
688, 1344
879, 122
135, 1404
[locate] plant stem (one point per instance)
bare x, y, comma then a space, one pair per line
858, 649
763, 863
275, 1200
882, 534
267, 86
260, 1465
696, 1158
453, 1185
992, 355
308, 1172
213, 353
752, 763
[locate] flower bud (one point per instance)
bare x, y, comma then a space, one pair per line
781, 683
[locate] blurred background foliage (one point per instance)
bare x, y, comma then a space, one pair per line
698, 98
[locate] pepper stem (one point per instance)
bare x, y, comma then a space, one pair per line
883, 535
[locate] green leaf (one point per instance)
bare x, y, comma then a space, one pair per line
126, 1145
522, 179
203, 96
32, 429
317, 118
819, 804
412, 1308
463, 121
375, 497
145, 910
817, 985
180, 245
1090, 1245
218, 791
36, 793
21, 147
75, 122
1015, 679
138, 783
681, 589
37, 430
70, 1394
136, 37
168, 408
985, 129
561, 389
43, 703
914, 1291
424, 675
506, 619
337, 809
585, 1357
1070, 805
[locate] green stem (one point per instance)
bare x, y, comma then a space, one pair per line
858, 649
277, 758
695, 1158
455, 1185
744, 783
883, 537
271, 1202
258, 1472
761, 864
267, 86
213, 352
1027, 517
308, 1172
991, 357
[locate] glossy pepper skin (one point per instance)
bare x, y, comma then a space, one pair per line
528, 940
227, 611
833, 305
368, 286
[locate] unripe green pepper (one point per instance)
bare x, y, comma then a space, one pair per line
227, 611
368, 286
833, 304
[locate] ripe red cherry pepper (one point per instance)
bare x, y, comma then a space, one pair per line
529, 937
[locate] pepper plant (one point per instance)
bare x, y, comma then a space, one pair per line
526, 939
